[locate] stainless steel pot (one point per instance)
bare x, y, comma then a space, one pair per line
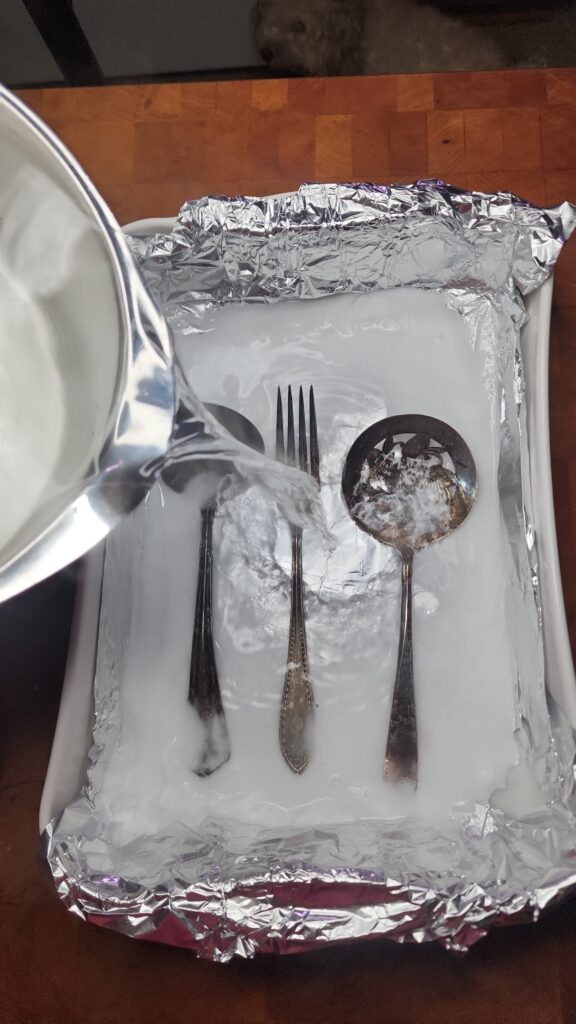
111, 350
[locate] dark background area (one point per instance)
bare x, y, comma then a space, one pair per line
88, 42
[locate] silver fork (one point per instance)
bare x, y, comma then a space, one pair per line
297, 705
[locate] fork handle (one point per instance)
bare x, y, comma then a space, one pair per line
297, 705
204, 689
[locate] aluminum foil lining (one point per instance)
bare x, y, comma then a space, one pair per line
228, 888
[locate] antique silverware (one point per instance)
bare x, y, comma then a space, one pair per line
297, 705
204, 690
408, 481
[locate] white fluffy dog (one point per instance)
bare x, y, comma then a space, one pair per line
346, 37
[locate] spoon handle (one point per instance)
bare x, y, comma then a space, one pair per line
401, 762
204, 690
297, 701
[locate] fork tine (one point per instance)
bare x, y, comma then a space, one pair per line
279, 428
302, 448
314, 448
290, 440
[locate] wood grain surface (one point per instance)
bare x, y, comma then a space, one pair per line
149, 148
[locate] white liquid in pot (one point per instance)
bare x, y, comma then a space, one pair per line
31, 405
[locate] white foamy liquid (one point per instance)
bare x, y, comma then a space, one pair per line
31, 405
367, 357
414, 507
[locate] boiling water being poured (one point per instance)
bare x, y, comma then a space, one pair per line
56, 378
200, 443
